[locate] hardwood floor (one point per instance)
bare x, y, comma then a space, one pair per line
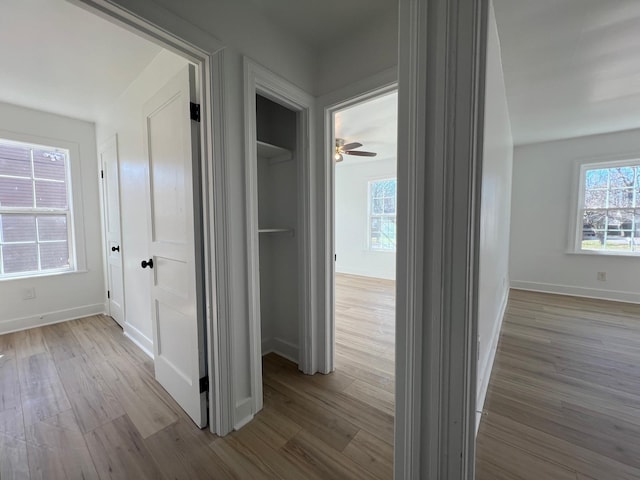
78, 400
564, 396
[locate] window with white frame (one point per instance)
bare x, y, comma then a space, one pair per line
609, 208
382, 215
35, 212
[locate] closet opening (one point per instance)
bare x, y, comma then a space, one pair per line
277, 184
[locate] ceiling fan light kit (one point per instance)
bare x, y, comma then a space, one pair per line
349, 149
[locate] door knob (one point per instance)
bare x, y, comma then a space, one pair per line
145, 263
115, 249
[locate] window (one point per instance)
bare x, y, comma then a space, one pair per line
609, 208
382, 215
35, 214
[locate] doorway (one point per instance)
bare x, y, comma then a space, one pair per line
364, 199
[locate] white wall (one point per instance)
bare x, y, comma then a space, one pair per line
494, 212
351, 217
72, 295
545, 182
126, 119
361, 55
240, 26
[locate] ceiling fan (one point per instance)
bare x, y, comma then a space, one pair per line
348, 149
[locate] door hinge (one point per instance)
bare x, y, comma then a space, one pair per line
195, 111
204, 384
335, 257
101, 173
108, 293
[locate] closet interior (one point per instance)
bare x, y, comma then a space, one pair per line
277, 135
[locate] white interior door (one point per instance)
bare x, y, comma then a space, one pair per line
111, 201
175, 250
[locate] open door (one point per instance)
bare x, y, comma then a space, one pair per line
175, 250
111, 200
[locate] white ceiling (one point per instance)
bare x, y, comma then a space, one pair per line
320, 23
572, 67
59, 58
373, 123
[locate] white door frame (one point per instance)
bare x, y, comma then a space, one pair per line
259, 80
158, 25
440, 123
384, 83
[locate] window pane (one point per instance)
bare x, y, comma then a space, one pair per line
20, 258
49, 164
621, 177
389, 188
597, 178
18, 228
595, 199
377, 206
16, 192
15, 160
375, 224
621, 197
54, 255
376, 189
51, 194
52, 227
390, 205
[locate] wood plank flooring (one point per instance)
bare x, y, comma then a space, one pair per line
564, 396
78, 400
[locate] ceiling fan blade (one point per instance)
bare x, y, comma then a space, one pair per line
351, 146
361, 154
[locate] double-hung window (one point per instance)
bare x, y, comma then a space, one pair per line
382, 215
35, 210
609, 208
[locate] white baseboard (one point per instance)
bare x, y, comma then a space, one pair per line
484, 371
243, 413
365, 273
281, 347
139, 338
49, 318
613, 295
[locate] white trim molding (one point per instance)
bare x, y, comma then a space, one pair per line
150, 20
557, 289
259, 80
484, 370
140, 339
49, 318
440, 114
378, 85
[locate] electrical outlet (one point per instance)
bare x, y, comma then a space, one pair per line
602, 276
29, 293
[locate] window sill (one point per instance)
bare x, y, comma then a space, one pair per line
604, 253
42, 275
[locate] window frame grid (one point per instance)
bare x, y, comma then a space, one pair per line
371, 215
634, 239
36, 212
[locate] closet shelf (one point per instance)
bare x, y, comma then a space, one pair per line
273, 153
276, 230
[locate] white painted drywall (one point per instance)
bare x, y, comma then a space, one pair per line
495, 207
351, 217
242, 27
126, 119
364, 53
545, 181
66, 296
